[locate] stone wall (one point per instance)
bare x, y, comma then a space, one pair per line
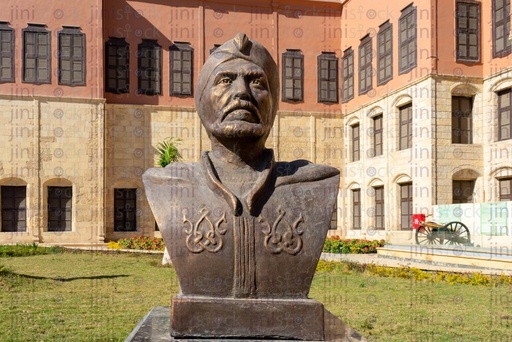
54, 142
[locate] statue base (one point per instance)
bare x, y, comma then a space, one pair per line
207, 317
155, 327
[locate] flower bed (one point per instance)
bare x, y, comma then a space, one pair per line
140, 243
335, 244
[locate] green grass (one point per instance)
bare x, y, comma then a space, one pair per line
92, 296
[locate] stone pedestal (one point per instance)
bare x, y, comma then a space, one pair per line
155, 327
296, 319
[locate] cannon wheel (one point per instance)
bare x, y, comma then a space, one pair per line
457, 234
427, 236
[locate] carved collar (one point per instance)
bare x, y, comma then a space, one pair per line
252, 197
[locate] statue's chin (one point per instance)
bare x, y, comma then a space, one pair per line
238, 129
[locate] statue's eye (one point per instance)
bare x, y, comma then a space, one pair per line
256, 81
225, 80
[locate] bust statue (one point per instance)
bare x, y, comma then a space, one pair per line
244, 232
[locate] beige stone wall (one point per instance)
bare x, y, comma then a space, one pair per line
54, 142
134, 131
393, 167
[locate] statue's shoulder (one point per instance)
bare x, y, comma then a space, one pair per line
174, 172
302, 171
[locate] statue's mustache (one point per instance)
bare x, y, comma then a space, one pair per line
241, 104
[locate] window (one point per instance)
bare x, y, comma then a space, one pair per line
405, 127
501, 28
356, 209
14, 208
505, 189
504, 114
405, 206
36, 54
150, 67
125, 210
468, 31
182, 58
117, 68
71, 56
334, 218
463, 191
293, 75
377, 135
327, 77
462, 120
385, 53
59, 208
6, 53
365, 65
355, 142
379, 207
347, 65
407, 39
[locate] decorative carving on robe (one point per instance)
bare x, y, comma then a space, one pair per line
204, 234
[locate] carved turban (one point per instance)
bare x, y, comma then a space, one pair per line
241, 47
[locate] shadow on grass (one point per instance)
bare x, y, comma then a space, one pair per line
65, 280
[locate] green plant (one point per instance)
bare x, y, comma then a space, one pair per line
27, 250
335, 244
168, 152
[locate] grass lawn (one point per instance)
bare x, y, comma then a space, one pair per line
87, 296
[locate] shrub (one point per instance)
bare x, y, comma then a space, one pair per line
335, 244
145, 243
114, 245
416, 274
27, 250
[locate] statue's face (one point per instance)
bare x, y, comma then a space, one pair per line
237, 102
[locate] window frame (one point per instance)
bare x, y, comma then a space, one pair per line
356, 209
504, 109
294, 55
408, 12
460, 199
406, 218
378, 132
181, 48
496, 24
365, 65
407, 124
4, 28
125, 194
154, 65
501, 185
355, 150
468, 31
121, 66
379, 203
37, 29
382, 53
327, 77
75, 34
457, 117
14, 210
59, 209
347, 79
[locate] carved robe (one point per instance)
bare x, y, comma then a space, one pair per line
264, 244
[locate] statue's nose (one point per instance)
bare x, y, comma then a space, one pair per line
241, 90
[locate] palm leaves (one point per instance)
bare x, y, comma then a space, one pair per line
168, 152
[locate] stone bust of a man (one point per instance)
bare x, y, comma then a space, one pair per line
241, 228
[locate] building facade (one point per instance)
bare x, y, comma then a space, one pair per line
409, 100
